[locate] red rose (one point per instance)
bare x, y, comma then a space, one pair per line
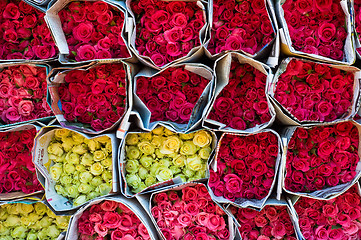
11, 11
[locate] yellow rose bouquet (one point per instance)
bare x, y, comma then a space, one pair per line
162, 157
30, 221
77, 168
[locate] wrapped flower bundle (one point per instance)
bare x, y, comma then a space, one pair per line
161, 155
189, 214
357, 5
246, 166
25, 33
322, 157
271, 223
338, 218
82, 168
30, 221
93, 30
95, 98
169, 31
17, 171
316, 92
240, 25
113, 220
23, 94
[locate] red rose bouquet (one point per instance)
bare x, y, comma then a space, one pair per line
17, 171
320, 158
172, 94
357, 7
319, 28
110, 220
167, 30
93, 30
24, 32
188, 214
246, 167
242, 104
338, 218
312, 91
95, 98
271, 223
240, 25
23, 94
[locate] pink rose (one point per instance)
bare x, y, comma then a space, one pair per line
233, 182
26, 107
116, 235
85, 52
215, 222
101, 229
83, 32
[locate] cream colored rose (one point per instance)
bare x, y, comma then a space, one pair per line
132, 152
80, 149
205, 152
55, 171
188, 148
179, 161
202, 138
164, 174
55, 148
96, 169
171, 145
146, 147
194, 163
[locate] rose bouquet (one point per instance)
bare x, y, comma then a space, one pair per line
159, 156
241, 25
167, 31
91, 30
30, 221
338, 218
188, 212
244, 168
174, 96
23, 93
90, 100
25, 33
315, 92
271, 223
357, 5
240, 103
75, 167
319, 30
110, 219
322, 160
17, 171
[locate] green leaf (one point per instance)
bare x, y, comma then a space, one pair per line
73, 52
338, 226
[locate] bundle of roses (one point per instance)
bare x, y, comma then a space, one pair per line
31, 221
23, 94
314, 92
107, 219
240, 25
17, 171
271, 223
25, 34
357, 5
318, 29
322, 159
244, 168
159, 156
338, 218
92, 30
167, 31
188, 212
90, 100
173, 94
240, 102
76, 169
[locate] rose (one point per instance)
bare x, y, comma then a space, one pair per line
11, 11
83, 32
233, 183
86, 52
326, 32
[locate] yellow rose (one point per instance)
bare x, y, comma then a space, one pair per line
108, 147
157, 141
132, 139
168, 132
69, 168
146, 147
61, 132
84, 188
62, 222
171, 145
204, 153
80, 149
77, 138
94, 145
103, 139
55, 171
72, 191
164, 174
150, 180
108, 163
202, 138
132, 152
146, 161
96, 169
146, 136
55, 148
187, 136
55, 158
67, 144
107, 176
158, 154
12, 221
73, 158
179, 161
188, 148
99, 155
40, 208
158, 130
194, 163
87, 159
80, 168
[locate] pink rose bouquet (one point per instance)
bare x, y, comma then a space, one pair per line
189, 214
111, 220
357, 7
322, 157
172, 94
93, 31
17, 170
167, 30
240, 25
95, 98
338, 218
246, 166
317, 27
24, 32
241, 104
315, 92
23, 94
271, 223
